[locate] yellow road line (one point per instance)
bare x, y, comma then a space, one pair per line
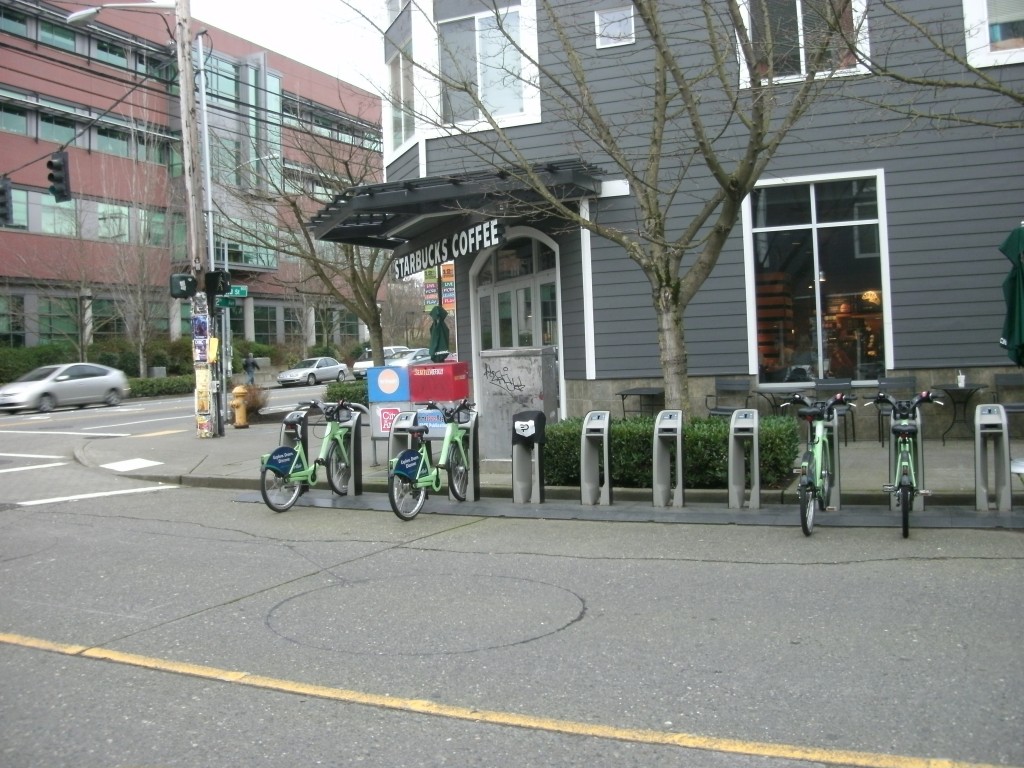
511, 719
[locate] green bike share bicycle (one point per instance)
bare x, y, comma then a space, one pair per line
286, 473
906, 460
412, 473
817, 467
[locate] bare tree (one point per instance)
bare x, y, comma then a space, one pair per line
927, 52
277, 192
712, 104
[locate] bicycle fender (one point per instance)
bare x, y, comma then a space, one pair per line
280, 460
408, 464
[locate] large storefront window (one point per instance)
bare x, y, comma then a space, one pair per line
516, 296
818, 280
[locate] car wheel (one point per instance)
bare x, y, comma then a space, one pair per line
311, 380
46, 403
341, 375
113, 397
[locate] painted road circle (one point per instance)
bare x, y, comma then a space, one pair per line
424, 615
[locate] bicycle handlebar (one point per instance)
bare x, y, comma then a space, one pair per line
826, 406
905, 409
450, 413
331, 411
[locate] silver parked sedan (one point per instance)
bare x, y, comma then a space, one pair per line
313, 370
53, 386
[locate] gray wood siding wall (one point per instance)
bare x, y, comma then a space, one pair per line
952, 195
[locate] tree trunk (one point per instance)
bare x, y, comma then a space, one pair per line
672, 346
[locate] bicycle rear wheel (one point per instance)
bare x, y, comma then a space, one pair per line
406, 499
906, 496
805, 492
278, 492
339, 471
458, 472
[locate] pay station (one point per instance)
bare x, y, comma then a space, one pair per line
528, 428
990, 431
743, 435
669, 459
595, 460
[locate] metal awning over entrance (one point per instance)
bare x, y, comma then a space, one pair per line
391, 214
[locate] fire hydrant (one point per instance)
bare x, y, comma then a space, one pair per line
237, 403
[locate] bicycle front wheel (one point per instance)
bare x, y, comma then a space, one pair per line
458, 472
339, 470
406, 499
906, 497
805, 492
825, 478
278, 492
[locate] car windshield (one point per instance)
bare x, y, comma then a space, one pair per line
39, 373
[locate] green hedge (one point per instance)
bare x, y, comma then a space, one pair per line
172, 385
705, 441
349, 391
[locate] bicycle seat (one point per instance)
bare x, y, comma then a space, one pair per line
811, 413
904, 430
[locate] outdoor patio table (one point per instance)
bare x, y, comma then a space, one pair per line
959, 397
778, 393
649, 400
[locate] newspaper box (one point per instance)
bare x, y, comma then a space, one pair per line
438, 382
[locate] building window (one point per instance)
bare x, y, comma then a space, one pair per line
222, 81
514, 282
264, 325
13, 119
403, 103
816, 249
995, 32
13, 22
57, 218
113, 142
107, 320
19, 210
12, 321
153, 227
614, 27
112, 53
59, 130
150, 149
789, 36
112, 222
225, 160
58, 319
59, 37
480, 63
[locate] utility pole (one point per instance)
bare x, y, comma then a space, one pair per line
207, 409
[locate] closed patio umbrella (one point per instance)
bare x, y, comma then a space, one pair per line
438, 334
1013, 291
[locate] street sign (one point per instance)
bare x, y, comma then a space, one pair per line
239, 291
225, 303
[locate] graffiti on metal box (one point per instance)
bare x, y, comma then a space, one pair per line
503, 380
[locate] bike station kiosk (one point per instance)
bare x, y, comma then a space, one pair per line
595, 460
743, 429
990, 429
528, 439
668, 440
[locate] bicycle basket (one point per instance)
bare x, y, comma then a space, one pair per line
293, 427
408, 464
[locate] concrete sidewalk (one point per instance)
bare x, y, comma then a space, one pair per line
232, 462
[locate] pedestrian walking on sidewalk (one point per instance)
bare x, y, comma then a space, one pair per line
250, 366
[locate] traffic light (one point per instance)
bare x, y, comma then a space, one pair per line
6, 204
183, 286
59, 177
218, 282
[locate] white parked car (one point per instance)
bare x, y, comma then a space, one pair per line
409, 357
365, 361
54, 386
313, 370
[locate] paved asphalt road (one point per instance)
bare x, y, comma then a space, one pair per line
175, 626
